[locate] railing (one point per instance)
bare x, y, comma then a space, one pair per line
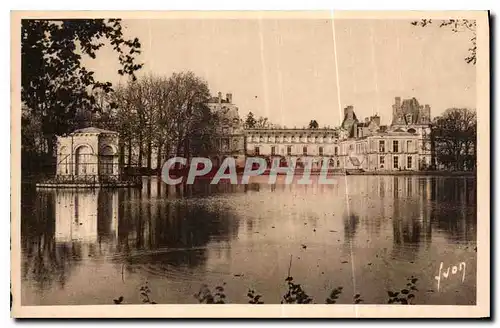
93, 180
74, 179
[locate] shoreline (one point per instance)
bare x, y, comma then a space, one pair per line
418, 173
297, 173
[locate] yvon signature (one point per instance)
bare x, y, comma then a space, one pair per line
455, 269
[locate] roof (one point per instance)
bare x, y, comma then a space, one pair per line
394, 133
290, 130
93, 130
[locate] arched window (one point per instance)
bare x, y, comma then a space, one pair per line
106, 160
83, 160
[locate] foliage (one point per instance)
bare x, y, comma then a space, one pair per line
55, 86
334, 295
295, 294
405, 295
253, 297
250, 121
313, 124
358, 299
454, 137
262, 123
145, 291
118, 300
168, 115
457, 25
206, 296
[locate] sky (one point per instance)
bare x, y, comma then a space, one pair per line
296, 70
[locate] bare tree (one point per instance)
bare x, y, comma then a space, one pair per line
164, 116
456, 26
454, 136
188, 98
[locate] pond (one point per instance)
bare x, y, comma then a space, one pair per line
368, 234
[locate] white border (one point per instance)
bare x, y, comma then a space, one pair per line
257, 4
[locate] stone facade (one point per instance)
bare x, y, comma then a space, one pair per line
88, 152
355, 145
294, 144
231, 138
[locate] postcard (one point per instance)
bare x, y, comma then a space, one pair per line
319, 164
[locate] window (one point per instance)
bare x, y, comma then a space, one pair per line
336, 151
273, 150
381, 160
396, 162
381, 146
289, 150
257, 150
409, 147
225, 144
304, 150
106, 165
338, 163
409, 162
395, 146
320, 151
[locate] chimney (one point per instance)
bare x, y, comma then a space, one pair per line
367, 120
376, 119
220, 97
427, 113
349, 112
427, 110
229, 98
398, 101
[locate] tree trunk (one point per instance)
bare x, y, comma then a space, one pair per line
159, 159
149, 150
178, 154
140, 152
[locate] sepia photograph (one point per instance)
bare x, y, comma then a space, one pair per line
232, 164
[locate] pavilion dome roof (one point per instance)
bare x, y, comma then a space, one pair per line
93, 130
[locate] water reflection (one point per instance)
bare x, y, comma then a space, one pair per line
63, 228
186, 233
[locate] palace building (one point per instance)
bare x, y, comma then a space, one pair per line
355, 145
231, 140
